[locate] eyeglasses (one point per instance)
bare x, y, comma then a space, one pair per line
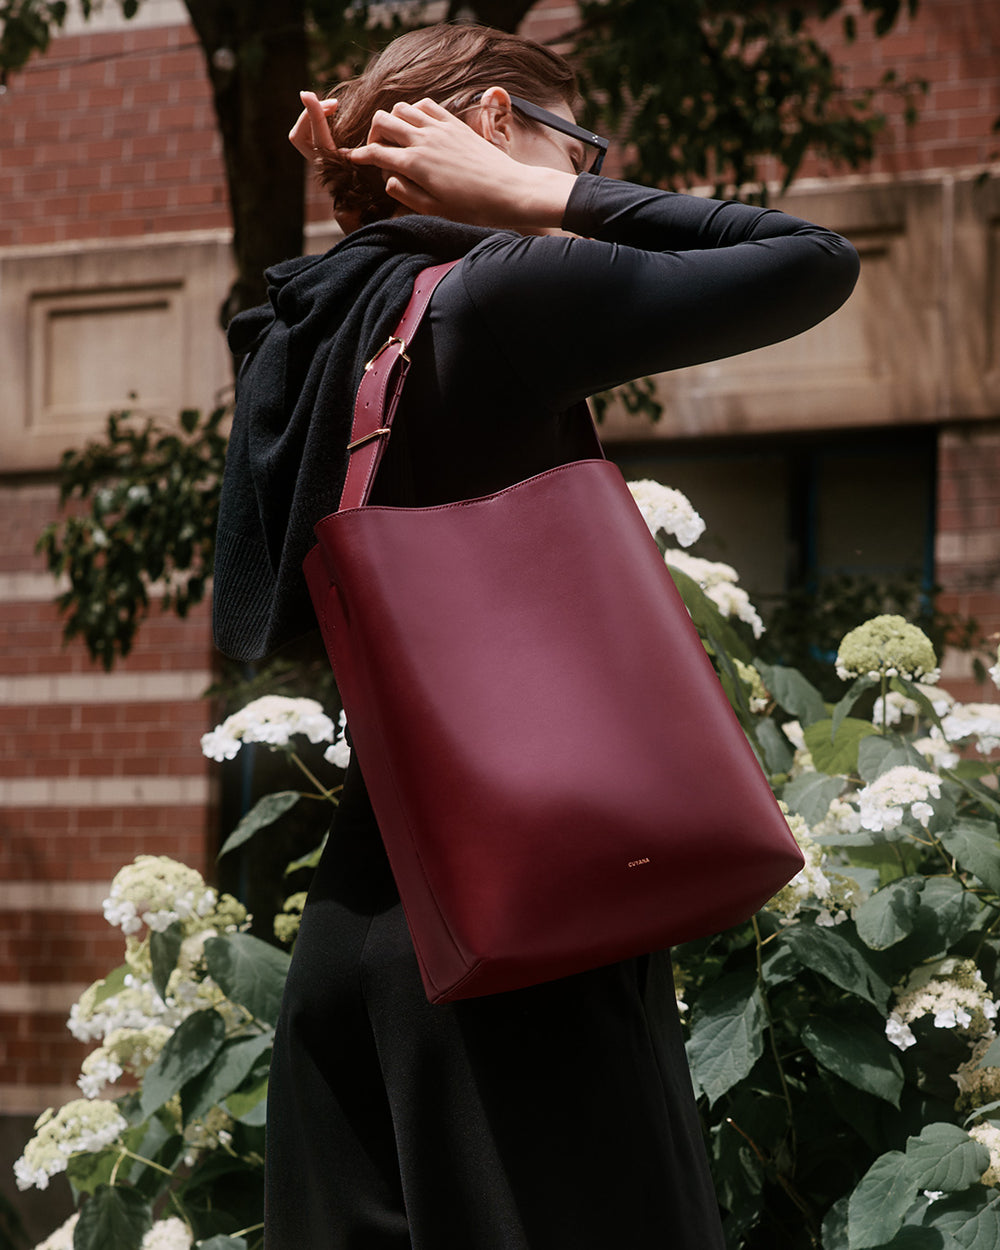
555, 122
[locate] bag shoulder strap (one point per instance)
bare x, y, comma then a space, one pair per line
381, 387
379, 392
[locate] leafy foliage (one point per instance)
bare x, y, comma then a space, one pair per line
153, 497
724, 92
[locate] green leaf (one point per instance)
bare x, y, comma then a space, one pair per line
88, 1171
974, 845
811, 795
189, 1050
112, 984
793, 692
972, 1218
249, 1106
249, 972
841, 754
889, 915
945, 1157
227, 1071
221, 1242
263, 813
727, 1036
309, 860
778, 753
857, 1055
923, 702
877, 755
832, 956
880, 1202
858, 688
992, 1057
981, 1111
947, 912
707, 618
834, 1228
113, 1218
164, 948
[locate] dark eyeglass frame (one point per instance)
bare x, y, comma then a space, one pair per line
555, 122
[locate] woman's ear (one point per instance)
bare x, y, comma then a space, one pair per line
495, 118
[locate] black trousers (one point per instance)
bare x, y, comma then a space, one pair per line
558, 1117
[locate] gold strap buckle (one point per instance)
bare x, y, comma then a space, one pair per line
385, 346
367, 438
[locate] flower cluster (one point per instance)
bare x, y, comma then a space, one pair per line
286, 923
62, 1238
994, 671
664, 508
168, 1234
974, 720
977, 1086
896, 705
988, 1135
81, 1125
757, 693
952, 991
718, 581
273, 719
157, 891
133, 1023
887, 646
817, 884
882, 803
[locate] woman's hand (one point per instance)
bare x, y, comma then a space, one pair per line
437, 165
311, 133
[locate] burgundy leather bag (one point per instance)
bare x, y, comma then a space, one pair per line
559, 779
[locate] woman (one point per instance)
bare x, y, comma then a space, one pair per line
559, 1117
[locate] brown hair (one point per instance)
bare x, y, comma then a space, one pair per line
451, 64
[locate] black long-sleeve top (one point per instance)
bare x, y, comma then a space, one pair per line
527, 327
515, 337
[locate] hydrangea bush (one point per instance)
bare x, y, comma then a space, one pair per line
843, 1044
164, 1150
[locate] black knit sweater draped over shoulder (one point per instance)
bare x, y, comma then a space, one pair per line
304, 352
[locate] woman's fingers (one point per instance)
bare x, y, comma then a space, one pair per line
311, 132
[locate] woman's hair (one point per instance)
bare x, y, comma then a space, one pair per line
449, 64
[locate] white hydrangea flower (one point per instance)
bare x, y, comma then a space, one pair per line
988, 1135
339, 754
273, 719
899, 1032
952, 992
155, 890
80, 1125
974, 720
936, 751
817, 882
169, 1234
994, 672
792, 730
664, 508
898, 705
841, 817
718, 581
98, 1069
62, 1238
212, 1131
882, 803
889, 646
